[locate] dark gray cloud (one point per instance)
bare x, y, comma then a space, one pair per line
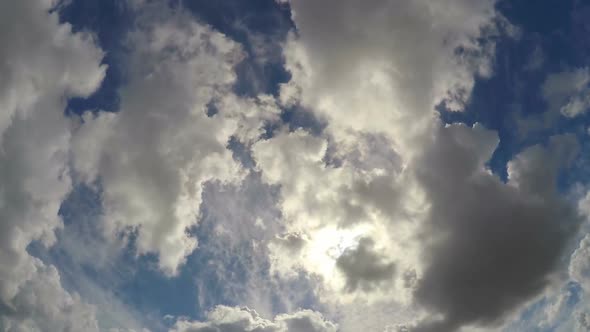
363, 267
490, 245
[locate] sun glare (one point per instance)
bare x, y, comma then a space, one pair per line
326, 245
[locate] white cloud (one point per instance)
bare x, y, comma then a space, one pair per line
333, 208
42, 305
579, 268
381, 66
230, 319
153, 157
43, 65
568, 92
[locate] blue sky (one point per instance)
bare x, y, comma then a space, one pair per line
295, 165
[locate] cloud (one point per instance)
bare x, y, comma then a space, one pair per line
435, 209
567, 92
44, 64
479, 248
536, 59
328, 207
153, 157
92, 266
579, 268
42, 304
377, 69
230, 319
356, 188
237, 221
583, 321
384, 214
363, 267
490, 246
380, 66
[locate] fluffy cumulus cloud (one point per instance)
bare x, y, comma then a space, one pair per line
229, 319
381, 66
153, 157
336, 215
44, 63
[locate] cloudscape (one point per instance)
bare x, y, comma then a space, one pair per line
294, 165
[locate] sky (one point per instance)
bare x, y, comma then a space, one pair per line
294, 165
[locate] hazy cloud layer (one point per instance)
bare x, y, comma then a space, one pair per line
490, 245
